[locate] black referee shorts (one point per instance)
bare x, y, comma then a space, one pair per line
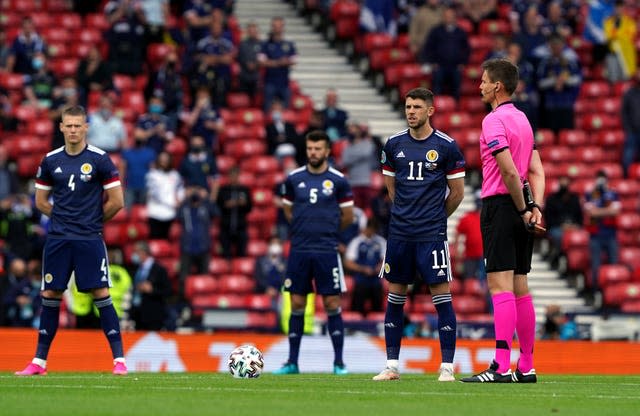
507, 243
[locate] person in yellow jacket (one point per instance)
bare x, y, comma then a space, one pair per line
81, 304
620, 32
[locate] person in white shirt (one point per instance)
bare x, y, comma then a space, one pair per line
165, 192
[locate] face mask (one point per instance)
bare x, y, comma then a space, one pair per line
139, 143
69, 92
275, 250
195, 198
155, 108
105, 113
276, 116
197, 149
135, 258
37, 63
601, 181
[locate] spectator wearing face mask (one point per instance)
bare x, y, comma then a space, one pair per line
282, 138
199, 168
106, 129
39, 86
134, 166
270, 269
601, 207
152, 126
195, 215
24, 47
562, 211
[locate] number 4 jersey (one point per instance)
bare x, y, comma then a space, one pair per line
421, 169
77, 184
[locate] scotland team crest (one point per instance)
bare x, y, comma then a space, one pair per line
85, 172
432, 159
327, 187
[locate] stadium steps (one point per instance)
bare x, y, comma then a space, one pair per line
321, 67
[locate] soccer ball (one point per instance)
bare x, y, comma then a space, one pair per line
246, 362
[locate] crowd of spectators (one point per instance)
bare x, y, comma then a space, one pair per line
167, 84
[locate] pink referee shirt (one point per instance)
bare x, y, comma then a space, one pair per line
504, 127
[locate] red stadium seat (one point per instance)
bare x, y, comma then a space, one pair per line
199, 284
257, 248
259, 302
123, 82
589, 154
58, 50
616, 294
472, 105
595, 89
545, 137
219, 266
445, 103
611, 105
64, 67
157, 52
218, 301
575, 238
249, 116
597, 122
28, 165
112, 234
68, 21
11, 81
238, 100
136, 231
609, 274
261, 164
630, 257
578, 260
236, 283
573, 138
494, 27
245, 148
224, 163
261, 197
133, 100
474, 287
243, 265
96, 20
56, 34
452, 120
422, 304
379, 58
89, 35
162, 248
469, 304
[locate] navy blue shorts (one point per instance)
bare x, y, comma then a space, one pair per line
86, 258
428, 259
323, 269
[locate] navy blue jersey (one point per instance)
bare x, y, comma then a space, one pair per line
317, 200
77, 184
421, 169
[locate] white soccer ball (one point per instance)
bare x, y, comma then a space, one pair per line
246, 362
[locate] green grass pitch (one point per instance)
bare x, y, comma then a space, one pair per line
311, 394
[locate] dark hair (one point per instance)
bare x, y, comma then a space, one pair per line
499, 69
420, 93
319, 135
76, 110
